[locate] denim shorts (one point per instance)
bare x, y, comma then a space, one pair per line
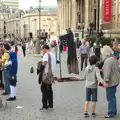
91, 94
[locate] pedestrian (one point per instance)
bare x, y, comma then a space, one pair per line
84, 53
16, 49
116, 50
12, 65
112, 78
24, 49
4, 59
47, 92
1, 73
92, 76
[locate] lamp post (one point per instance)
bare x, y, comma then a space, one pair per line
82, 27
97, 44
38, 34
39, 16
24, 29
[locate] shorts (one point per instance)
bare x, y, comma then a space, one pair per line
91, 94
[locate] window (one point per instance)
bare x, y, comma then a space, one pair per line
16, 32
16, 24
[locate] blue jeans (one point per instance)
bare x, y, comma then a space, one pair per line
6, 81
111, 98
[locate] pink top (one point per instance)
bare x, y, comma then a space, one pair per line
100, 70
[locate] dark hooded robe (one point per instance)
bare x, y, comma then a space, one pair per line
72, 61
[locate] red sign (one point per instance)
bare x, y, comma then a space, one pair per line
107, 10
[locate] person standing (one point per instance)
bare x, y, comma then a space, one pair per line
12, 65
16, 49
92, 76
84, 52
6, 70
111, 74
24, 49
47, 92
116, 50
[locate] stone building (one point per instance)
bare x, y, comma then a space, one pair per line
12, 4
28, 22
72, 13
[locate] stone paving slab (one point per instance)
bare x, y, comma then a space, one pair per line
68, 98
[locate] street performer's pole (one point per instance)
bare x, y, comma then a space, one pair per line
59, 52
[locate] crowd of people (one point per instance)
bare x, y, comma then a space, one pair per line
109, 79
105, 73
8, 71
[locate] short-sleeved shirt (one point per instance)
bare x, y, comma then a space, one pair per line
5, 56
53, 62
84, 49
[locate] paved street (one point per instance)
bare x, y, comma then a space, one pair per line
68, 97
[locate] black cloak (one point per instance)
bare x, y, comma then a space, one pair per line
72, 61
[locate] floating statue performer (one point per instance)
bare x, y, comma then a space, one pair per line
72, 61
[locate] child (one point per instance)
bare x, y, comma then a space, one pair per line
12, 65
92, 76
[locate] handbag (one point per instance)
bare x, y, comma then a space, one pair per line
48, 77
13, 80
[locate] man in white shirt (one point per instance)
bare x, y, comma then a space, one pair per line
47, 92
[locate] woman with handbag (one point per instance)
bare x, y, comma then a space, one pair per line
49, 64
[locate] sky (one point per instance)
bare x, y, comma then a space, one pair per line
25, 4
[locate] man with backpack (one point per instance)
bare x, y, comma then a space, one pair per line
49, 66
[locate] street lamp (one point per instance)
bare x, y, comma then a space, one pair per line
24, 29
97, 44
38, 34
39, 16
82, 27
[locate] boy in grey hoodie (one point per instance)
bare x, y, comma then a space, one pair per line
92, 76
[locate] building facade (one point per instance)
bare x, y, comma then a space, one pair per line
13, 27
72, 13
29, 23
7, 7
12, 4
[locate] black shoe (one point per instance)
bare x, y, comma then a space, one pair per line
86, 114
94, 114
44, 108
5, 93
50, 106
11, 99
